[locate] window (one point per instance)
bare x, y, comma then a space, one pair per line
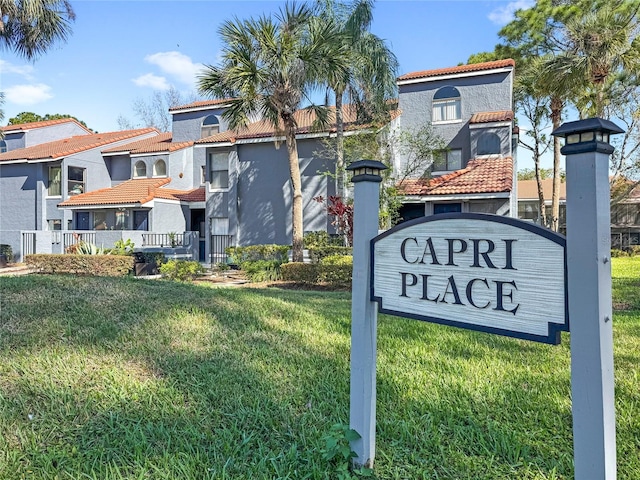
140, 170
76, 180
3, 146
160, 169
55, 224
488, 144
447, 208
210, 126
54, 188
219, 170
100, 220
447, 160
446, 105
203, 175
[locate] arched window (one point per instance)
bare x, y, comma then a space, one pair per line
489, 144
3, 146
446, 105
210, 126
160, 169
140, 169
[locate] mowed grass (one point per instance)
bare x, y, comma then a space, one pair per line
121, 378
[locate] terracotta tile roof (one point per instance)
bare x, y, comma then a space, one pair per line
488, 117
304, 119
528, 189
159, 143
474, 67
71, 145
44, 123
481, 175
135, 191
200, 104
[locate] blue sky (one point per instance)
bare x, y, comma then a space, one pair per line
121, 51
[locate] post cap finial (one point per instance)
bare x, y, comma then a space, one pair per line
366, 170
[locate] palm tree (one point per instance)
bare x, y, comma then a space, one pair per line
599, 45
31, 27
370, 80
269, 68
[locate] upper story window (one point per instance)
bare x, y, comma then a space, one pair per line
489, 144
210, 126
447, 160
3, 146
446, 105
54, 189
219, 168
140, 169
160, 169
76, 179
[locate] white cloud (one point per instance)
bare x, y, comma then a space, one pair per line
503, 15
28, 94
153, 81
176, 64
25, 71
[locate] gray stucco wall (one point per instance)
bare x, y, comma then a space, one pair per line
188, 126
264, 192
52, 133
167, 217
18, 195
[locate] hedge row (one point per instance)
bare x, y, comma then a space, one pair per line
335, 272
253, 253
97, 265
316, 254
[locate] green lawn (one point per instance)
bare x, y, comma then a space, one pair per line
122, 378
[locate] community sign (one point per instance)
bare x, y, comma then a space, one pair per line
482, 272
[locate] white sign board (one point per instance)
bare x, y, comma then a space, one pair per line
482, 272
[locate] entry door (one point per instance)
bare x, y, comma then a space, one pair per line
447, 208
82, 221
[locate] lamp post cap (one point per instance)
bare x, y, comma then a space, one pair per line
367, 164
586, 125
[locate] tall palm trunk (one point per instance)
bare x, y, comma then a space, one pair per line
296, 186
556, 118
542, 208
339, 145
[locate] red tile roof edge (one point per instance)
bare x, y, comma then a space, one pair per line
43, 124
472, 67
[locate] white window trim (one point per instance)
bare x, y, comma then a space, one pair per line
443, 122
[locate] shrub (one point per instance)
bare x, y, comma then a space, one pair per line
318, 253
336, 270
181, 270
615, 252
98, 265
322, 239
85, 248
299, 272
7, 251
123, 248
262, 270
634, 250
252, 253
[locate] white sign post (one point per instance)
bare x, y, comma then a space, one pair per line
587, 152
364, 315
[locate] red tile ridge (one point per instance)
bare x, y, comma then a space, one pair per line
42, 124
201, 103
472, 67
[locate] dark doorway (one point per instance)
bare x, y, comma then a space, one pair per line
140, 220
82, 221
198, 225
